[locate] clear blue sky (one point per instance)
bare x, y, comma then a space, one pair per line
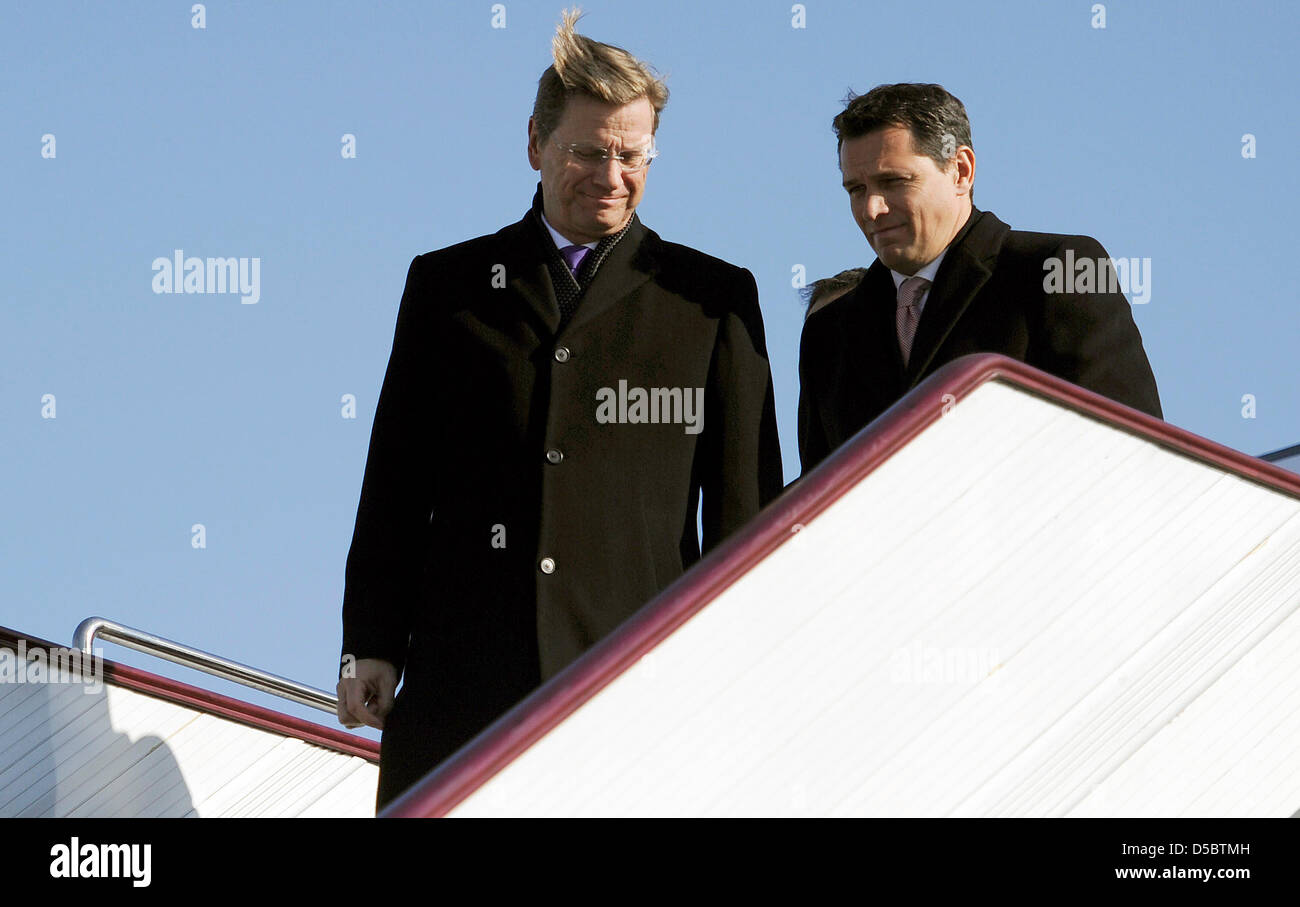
181, 409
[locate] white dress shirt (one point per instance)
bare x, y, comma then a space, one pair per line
927, 272
560, 241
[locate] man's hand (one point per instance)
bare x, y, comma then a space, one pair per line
367, 697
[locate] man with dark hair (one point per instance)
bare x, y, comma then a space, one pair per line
950, 279
560, 396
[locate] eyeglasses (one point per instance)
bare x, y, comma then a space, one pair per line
585, 154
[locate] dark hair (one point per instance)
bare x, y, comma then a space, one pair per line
933, 116
816, 292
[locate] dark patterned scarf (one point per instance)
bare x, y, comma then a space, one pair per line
568, 288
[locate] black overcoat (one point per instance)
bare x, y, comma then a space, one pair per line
510, 516
989, 296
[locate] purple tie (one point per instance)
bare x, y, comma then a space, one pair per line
573, 256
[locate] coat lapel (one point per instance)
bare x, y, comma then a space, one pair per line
882, 361
855, 357
965, 269
526, 273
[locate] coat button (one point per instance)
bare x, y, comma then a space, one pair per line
554, 456
547, 565
561, 354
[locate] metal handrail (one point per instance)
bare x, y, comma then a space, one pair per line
1284, 454
130, 637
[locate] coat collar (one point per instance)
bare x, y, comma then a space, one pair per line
526, 272
876, 306
628, 265
963, 273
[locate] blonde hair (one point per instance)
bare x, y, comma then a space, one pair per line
600, 71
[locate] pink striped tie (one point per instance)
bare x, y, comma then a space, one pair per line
909, 312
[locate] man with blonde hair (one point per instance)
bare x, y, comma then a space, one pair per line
560, 396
